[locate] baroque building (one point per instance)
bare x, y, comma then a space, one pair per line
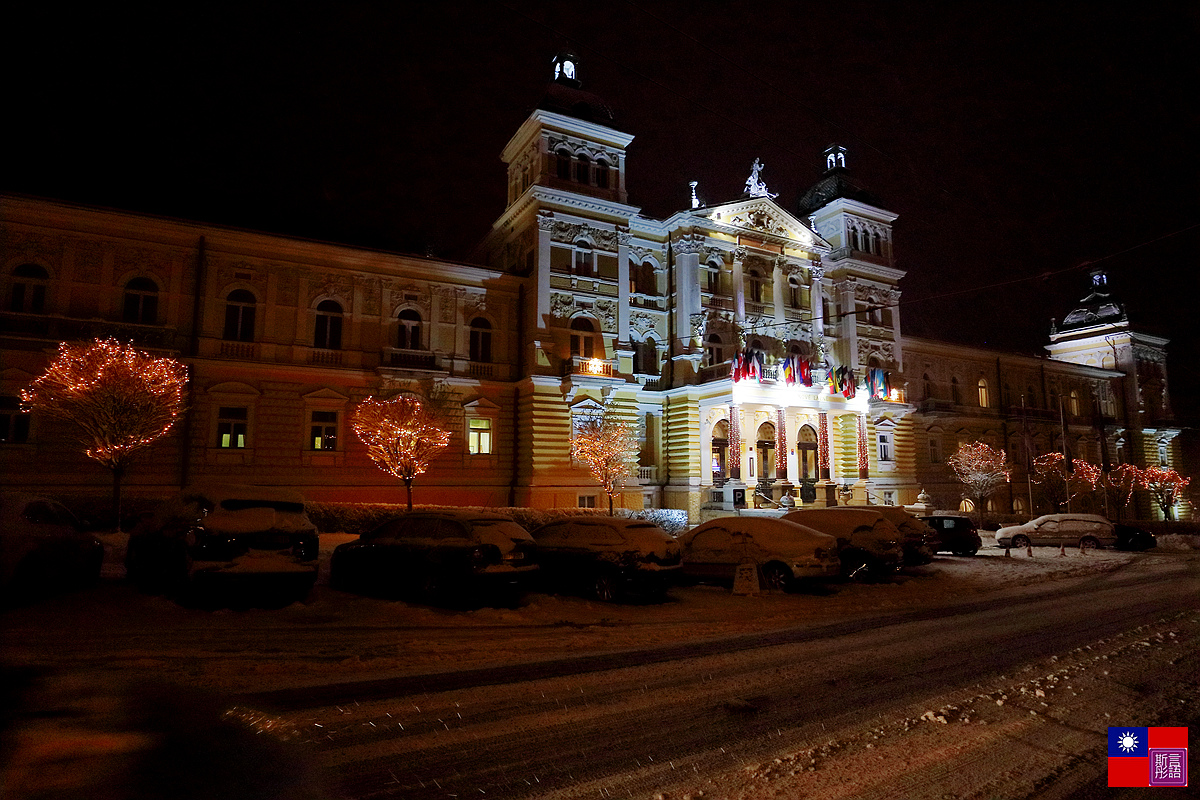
757, 348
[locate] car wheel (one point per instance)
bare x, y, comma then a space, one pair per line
1020, 541
1089, 543
776, 578
604, 586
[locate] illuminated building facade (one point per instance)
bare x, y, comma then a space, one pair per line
758, 349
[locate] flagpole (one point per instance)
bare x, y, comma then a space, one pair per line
1062, 420
1028, 455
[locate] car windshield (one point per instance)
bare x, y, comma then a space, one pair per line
499, 527
241, 504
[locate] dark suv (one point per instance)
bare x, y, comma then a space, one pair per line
954, 533
251, 537
436, 555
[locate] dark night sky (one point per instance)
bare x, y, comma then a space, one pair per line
1014, 140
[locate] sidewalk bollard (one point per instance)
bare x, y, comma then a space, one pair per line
1007, 554
1062, 549
1029, 550
1082, 549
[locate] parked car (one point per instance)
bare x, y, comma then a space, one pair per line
956, 534
1072, 530
249, 537
867, 542
1131, 537
43, 547
916, 538
783, 551
607, 556
436, 555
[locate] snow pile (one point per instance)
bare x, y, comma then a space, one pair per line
1178, 542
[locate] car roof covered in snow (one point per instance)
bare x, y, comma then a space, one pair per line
1061, 517
758, 526
837, 521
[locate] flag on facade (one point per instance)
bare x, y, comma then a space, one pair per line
806, 373
789, 370
1141, 756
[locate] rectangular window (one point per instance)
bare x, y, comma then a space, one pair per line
14, 425
323, 432
885, 447
479, 436
231, 427
935, 451
889, 498
587, 501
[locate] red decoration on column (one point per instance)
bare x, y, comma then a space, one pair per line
863, 464
781, 452
823, 445
735, 445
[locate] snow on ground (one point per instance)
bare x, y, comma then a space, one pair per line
333, 635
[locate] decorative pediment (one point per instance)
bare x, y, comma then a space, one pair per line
762, 215
481, 404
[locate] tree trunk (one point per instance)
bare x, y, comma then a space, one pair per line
118, 473
610, 506
408, 486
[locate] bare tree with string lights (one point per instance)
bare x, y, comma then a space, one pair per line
402, 435
120, 400
608, 446
982, 470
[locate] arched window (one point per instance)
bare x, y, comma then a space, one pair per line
806, 452
955, 392
481, 340
602, 173
29, 289
1019, 505
714, 350
984, 400
239, 316
141, 301
928, 386
1073, 403
966, 505
644, 279
713, 268
583, 169
408, 332
564, 164
328, 332
582, 341
795, 293
645, 357
584, 259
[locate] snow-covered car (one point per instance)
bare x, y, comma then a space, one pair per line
436, 555
955, 533
1071, 530
606, 556
1131, 537
43, 547
255, 537
783, 551
867, 542
916, 537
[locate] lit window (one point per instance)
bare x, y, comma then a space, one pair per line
889, 498
323, 432
328, 332
239, 316
231, 427
587, 501
885, 446
479, 436
966, 505
14, 425
983, 394
29, 289
1073, 403
141, 301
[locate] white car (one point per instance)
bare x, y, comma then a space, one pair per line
1071, 530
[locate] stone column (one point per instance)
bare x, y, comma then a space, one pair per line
862, 493
781, 490
827, 491
739, 286
778, 283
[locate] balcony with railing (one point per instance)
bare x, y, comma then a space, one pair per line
648, 474
398, 358
595, 367
245, 351
714, 372
718, 301
759, 309
325, 358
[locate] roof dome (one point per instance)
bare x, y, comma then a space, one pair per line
565, 94
835, 184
